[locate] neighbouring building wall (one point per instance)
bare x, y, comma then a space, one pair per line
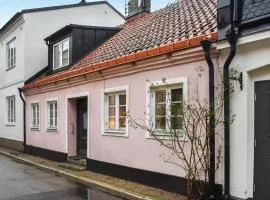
253, 60
10, 81
40, 25
135, 150
9, 131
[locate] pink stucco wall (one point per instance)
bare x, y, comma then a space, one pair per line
134, 151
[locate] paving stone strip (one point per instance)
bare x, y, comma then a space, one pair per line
118, 187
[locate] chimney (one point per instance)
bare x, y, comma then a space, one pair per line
138, 6
83, 2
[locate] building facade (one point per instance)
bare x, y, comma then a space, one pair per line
82, 111
249, 133
23, 53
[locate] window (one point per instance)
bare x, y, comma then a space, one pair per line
166, 108
52, 114
35, 115
61, 54
11, 54
116, 106
11, 113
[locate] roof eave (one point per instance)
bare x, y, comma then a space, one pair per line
164, 49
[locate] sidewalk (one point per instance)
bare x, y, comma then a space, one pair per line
117, 187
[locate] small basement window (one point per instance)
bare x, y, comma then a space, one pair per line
61, 54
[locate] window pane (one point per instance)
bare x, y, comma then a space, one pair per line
176, 123
111, 100
112, 123
122, 111
122, 122
112, 111
160, 96
177, 109
56, 56
122, 99
55, 114
65, 55
160, 122
177, 94
160, 109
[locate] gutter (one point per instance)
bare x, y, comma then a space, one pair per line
80, 69
24, 117
206, 44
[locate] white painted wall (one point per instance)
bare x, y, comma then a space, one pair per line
253, 60
40, 25
32, 52
6, 131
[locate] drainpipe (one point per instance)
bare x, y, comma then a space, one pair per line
24, 117
232, 38
206, 44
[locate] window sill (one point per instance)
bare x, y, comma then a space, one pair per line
10, 124
55, 130
10, 68
35, 129
115, 133
166, 137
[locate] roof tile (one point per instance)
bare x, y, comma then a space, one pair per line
176, 23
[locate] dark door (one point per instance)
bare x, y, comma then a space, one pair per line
82, 125
262, 141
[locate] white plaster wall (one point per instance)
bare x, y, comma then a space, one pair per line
253, 60
11, 132
16, 74
40, 25
10, 80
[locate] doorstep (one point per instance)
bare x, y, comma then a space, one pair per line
114, 186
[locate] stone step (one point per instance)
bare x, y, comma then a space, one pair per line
72, 166
77, 161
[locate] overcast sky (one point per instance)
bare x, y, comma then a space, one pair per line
9, 7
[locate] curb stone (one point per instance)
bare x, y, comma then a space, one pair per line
122, 193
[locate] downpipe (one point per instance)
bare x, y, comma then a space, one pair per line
24, 117
206, 45
232, 39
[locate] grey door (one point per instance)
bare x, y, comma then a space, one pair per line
262, 141
82, 126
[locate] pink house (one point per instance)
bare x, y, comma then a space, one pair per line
80, 110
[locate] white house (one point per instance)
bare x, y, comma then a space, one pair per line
249, 142
23, 53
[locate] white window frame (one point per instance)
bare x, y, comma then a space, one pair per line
11, 51
36, 125
53, 128
61, 54
150, 104
11, 113
118, 132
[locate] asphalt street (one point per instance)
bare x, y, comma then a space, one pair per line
22, 182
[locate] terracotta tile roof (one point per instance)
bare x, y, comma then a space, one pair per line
179, 25
178, 21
